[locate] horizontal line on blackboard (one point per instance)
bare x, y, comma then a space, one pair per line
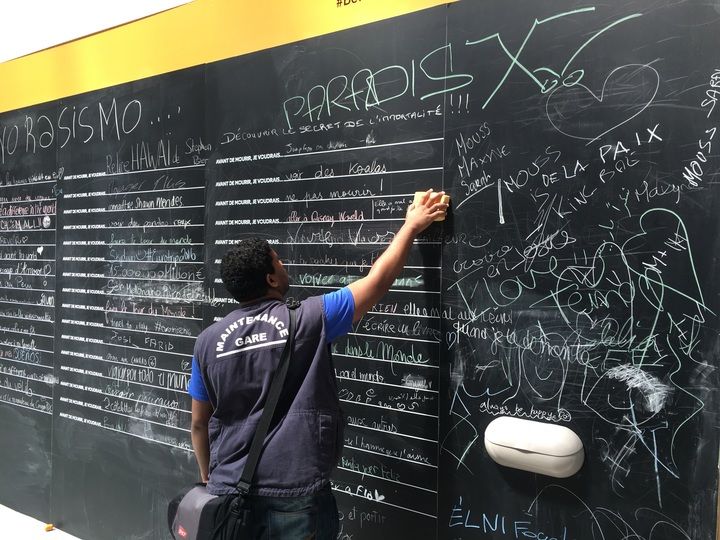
148, 279
151, 191
26, 349
370, 147
155, 170
27, 289
330, 244
392, 457
25, 274
29, 183
144, 420
147, 332
25, 333
25, 407
138, 436
141, 401
130, 347
188, 300
386, 479
136, 382
177, 244
50, 382
157, 226
385, 502
26, 319
28, 201
388, 384
340, 199
103, 174
385, 360
137, 227
25, 303
403, 314
28, 260
299, 286
360, 266
385, 431
25, 245
134, 365
393, 337
25, 216
149, 350
388, 409
146, 209
155, 315
25, 392
325, 221
150, 262
356, 175
28, 363
27, 231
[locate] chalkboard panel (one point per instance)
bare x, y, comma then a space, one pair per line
130, 306
324, 169
572, 283
28, 202
581, 160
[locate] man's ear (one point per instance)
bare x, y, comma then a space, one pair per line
271, 280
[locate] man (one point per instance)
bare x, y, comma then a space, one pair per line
233, 366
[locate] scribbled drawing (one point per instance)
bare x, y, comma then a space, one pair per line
664, 527
635, 382
601, 523
463, 429
626, 92
617, 459
587, 518
615, 333
550, 77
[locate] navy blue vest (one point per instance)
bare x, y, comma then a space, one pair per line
238, 357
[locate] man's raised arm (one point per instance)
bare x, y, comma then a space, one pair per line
368, 290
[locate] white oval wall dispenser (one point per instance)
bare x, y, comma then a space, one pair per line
536, 447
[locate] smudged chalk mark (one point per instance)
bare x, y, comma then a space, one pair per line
500, 204
653, 390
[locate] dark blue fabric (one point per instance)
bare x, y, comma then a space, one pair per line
339, 308
237, 357
293, 518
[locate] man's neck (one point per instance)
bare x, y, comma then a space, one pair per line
271, 295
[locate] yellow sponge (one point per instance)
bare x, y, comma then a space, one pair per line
444, 199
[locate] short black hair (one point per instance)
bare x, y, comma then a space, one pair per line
244, 267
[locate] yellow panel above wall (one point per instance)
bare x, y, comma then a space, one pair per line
200, 32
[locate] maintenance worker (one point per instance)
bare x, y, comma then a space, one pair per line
232, 369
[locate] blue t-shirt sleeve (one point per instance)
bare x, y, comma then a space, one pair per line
339, 309
196, 387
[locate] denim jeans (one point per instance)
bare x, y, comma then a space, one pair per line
314, 517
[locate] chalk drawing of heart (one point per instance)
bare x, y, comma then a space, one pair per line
576, 111
379, 497
40, 250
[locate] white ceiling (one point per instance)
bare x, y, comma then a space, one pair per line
27, 26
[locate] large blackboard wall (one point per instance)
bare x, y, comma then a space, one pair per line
574, 281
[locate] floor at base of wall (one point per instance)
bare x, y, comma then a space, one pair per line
17, 526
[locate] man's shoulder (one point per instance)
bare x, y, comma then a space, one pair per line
312, 301
308, 307
218, 327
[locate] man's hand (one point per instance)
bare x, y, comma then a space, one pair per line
368, 290
422, 213
201, 413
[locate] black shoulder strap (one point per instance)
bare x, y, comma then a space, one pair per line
246, 478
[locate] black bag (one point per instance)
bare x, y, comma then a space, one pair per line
195, 514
